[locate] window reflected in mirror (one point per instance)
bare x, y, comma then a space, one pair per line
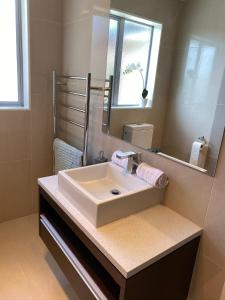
167, 58
133, 52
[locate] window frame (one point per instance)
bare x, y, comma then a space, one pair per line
118, 56
20, 59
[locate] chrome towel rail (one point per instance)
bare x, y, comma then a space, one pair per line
86, 95
87, 108
72, 77
74, 93
100, 89
106, 125
73, 108
71, 122
85, 111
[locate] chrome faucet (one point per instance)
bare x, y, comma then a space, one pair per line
134, 160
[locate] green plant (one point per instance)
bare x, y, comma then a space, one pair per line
137, 67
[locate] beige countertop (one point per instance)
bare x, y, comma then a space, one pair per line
134, 242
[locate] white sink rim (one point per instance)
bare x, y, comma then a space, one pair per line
85, 192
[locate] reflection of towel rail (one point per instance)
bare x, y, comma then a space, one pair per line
71, 122
74, 93
60, 83
101, 89
72, 108
72, 77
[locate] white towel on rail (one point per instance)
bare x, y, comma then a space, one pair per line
66, 156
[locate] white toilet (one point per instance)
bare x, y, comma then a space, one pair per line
140, 135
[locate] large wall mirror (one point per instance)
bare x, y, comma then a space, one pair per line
167, 58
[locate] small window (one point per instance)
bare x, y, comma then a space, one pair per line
13, 53
133, 52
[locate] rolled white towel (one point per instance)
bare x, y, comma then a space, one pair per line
119, 162
153, 176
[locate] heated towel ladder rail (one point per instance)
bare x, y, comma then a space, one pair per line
57, 82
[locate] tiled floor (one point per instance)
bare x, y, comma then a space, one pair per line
27, 270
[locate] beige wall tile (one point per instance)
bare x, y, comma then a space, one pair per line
222, 297
41, 125
15, 189
214, 237
74, 11
222, 92
217, 132
208, 280
76, 47
40, 83
45, 43
41, 141
49, 10
188, 192
15, 141
151, 9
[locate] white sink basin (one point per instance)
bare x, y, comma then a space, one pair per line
89, 189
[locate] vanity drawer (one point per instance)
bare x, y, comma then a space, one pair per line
80, 279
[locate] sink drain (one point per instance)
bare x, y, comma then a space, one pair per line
115, 192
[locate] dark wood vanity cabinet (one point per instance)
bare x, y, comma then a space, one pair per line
93, 276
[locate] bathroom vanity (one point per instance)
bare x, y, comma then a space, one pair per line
147, 255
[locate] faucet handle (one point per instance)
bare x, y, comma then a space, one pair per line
128, 154
134, 159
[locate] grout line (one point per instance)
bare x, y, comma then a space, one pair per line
209, 203
210, 260
213, 188
18, 218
